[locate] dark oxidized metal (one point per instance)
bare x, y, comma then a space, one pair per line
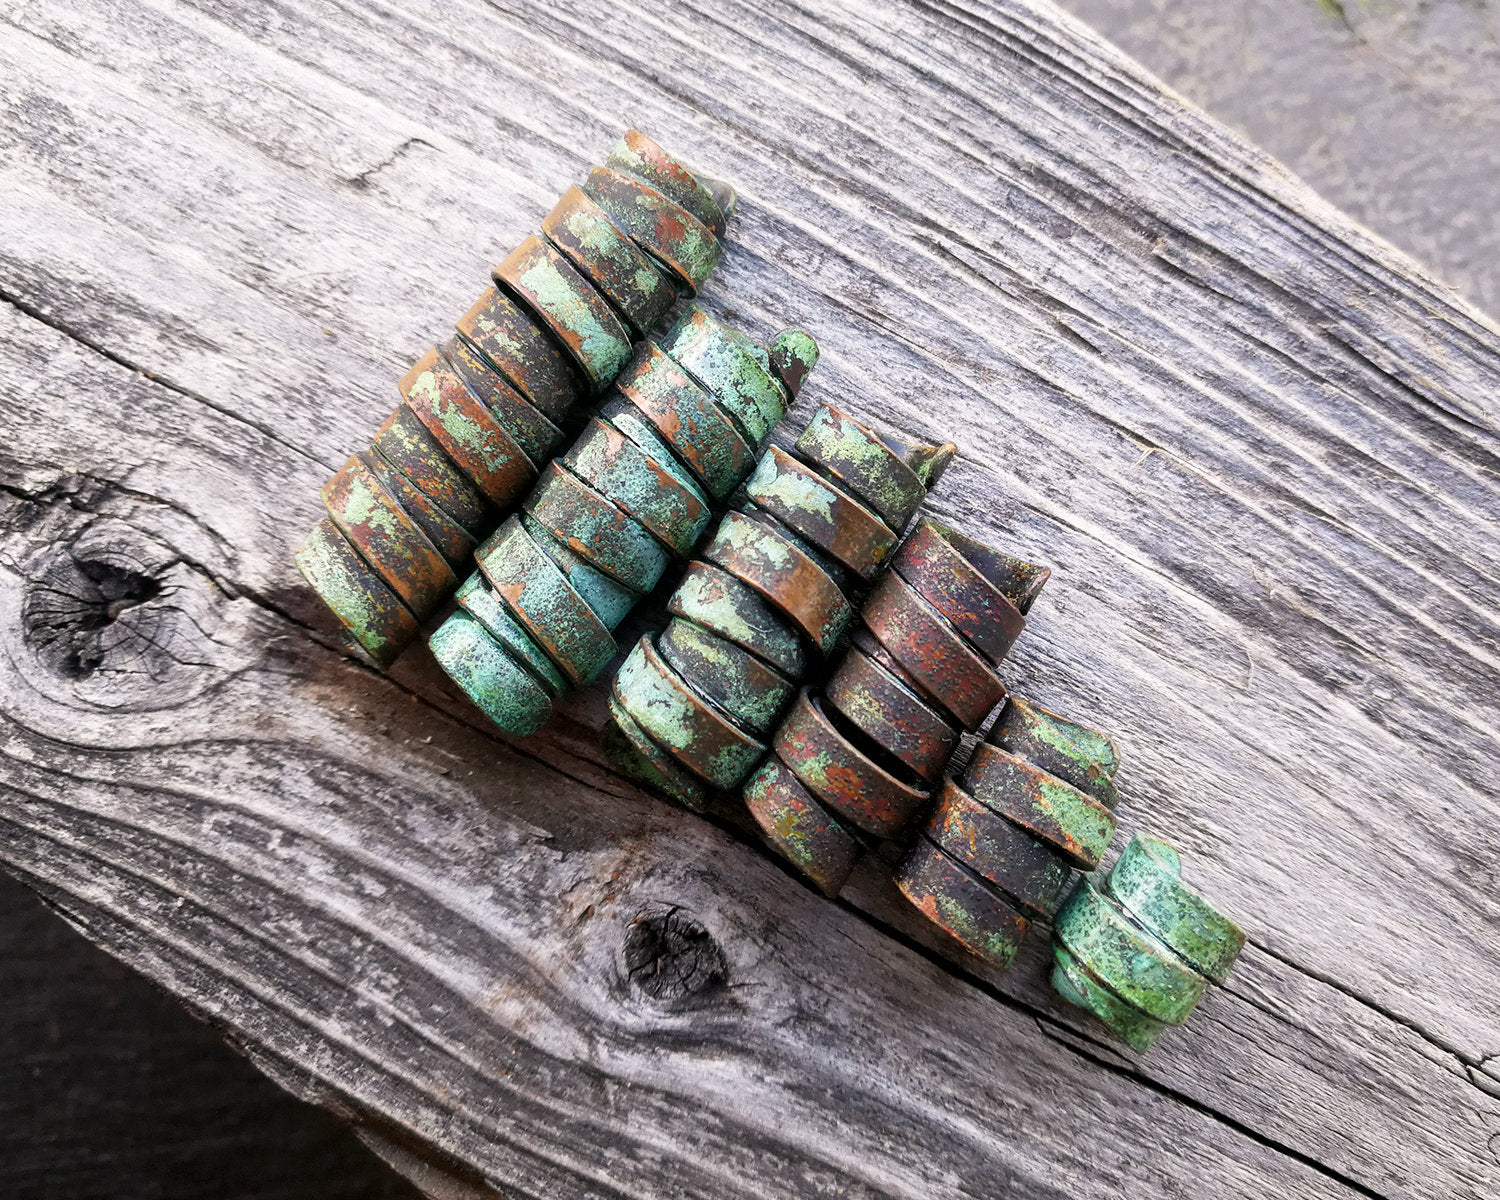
713, 598
1052, 811
678, 720
932, 652
388, 538
957, 901
793, 356
603, 253
578, 316
372, 613
771, 584
857, 456
832, 520
403, 441
452, 540
784, 574
998, 851
843, 776
876, 741
1011, 828
891, 715
636, 154
681, 242
801, 828
515, 346
1065, 749
484, 410
958, 577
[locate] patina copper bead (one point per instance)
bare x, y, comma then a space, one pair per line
1011, 831
577, 316
1139, 951
483, 412
373, 614
872, 746
708, 200
603, 253
672, 235
768, 592
596, 534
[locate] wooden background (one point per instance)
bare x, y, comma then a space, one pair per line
1258, 446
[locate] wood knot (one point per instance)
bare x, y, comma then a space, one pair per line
672, 958
105, 614
84, 611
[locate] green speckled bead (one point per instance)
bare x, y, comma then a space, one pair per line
637, 757
545, 603
576, 314
475, 597
729, 366
1075, 985
1135, 964
502, 689
855, 454
373, 614
1146, 881
675, 718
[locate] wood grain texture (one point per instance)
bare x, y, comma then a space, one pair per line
1257, 445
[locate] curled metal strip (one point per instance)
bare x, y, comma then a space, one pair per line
1011, 830
485, 411
1140, 951
768, 598
918, 673
596, 534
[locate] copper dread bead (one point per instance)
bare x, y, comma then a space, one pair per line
1139, 951
635, 491
1035, 801
483, 413
862, 757
769, 593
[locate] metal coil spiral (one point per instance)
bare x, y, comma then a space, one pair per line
1140, 950
862, 756
771, 592
677, 434
998, 850
482, 413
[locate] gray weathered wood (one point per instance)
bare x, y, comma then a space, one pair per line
1258, 445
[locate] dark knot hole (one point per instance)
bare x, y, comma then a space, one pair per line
69, 613
672, 958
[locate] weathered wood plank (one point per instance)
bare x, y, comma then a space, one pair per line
1257, 444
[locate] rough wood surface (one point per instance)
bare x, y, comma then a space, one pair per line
1257, 444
